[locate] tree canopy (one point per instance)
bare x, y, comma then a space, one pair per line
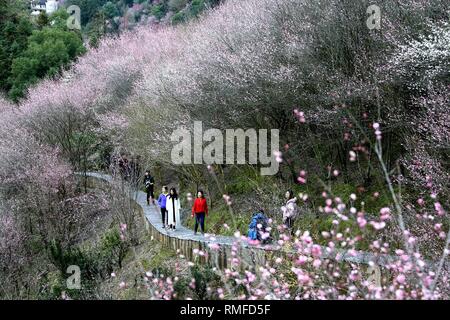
15, 28
48, 50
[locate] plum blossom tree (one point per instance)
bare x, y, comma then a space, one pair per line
424, 61
40, 205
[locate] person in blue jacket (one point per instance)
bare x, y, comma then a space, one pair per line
162, 204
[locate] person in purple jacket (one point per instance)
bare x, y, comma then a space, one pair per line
162, 204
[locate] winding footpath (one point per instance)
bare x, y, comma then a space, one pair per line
184, 241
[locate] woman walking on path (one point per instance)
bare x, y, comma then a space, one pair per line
162, 204
290, 210
200, 210
173, 209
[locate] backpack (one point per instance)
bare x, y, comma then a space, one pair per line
253, 232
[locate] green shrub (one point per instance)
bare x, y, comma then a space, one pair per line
157, 262
246, 180
145, 264
159, 11
177, 5
181, 287
343, 190
81, 257
197, 7
162, 271
95, 262
204, 276
63, 258
178, 17
112, 249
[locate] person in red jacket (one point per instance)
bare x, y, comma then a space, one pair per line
200, 210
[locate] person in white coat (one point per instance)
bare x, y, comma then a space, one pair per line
173, 209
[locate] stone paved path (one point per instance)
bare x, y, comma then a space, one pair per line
152, 214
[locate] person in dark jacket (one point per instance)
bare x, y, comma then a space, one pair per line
200, 211
149, 183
